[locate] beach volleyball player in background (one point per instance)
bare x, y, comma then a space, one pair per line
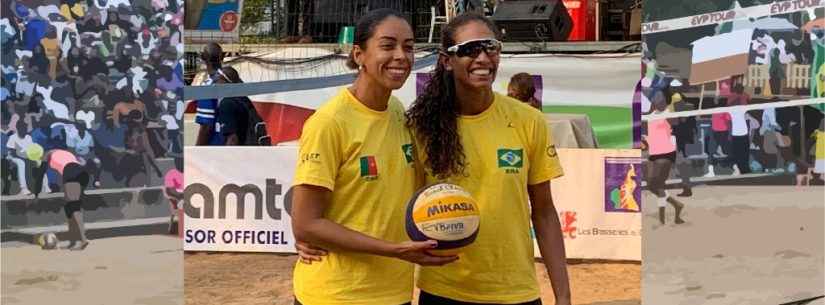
499, 150
75, 178
354, 176
662, 154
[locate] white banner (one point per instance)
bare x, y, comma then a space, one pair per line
591, 80
595, 227
738, 13
235, 199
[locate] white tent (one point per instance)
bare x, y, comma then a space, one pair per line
720, 56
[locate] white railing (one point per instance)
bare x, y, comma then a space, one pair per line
796, 76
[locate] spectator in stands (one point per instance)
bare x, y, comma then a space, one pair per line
776, 71
174, 114
740, 143
137, 144
740, 132
82, 143
770, 132
738, 96
208, 134
685, 130
17, 145
5, 163
818, 152
523, 88
719, 147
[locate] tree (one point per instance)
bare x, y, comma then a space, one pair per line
254, 12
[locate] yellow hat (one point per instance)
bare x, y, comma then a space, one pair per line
676, 97
34, 152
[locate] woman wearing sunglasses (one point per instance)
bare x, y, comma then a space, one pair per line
499, 150
354, 176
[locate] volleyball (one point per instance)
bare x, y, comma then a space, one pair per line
47, 241
445, 213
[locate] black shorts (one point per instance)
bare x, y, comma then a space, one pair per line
299, 303
74, 172
670, 156
72, 206
425, 298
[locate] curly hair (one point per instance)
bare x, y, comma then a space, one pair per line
433, 117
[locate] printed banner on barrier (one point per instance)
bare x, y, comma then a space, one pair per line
245, 206
735, 14
622, 185
599, 203
564, 85
232, 207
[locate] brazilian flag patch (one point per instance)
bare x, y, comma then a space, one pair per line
408, 152
510, 158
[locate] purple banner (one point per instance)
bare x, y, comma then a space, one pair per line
539, 86
637, 116
622, 185
421, 80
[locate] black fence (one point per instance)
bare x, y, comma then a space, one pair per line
320, 21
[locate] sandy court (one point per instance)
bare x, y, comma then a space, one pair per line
144, 270
257, 279
741, 245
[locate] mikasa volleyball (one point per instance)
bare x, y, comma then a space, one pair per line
445, 213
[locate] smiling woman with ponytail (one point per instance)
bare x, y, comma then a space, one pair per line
353, 179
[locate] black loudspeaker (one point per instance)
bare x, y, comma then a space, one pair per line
533, 20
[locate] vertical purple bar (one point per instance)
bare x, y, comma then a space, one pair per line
637, 116
539, 86
421, 80
616, 171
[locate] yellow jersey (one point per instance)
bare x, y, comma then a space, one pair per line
507, 148
365, 158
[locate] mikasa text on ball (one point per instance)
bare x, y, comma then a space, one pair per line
445, 213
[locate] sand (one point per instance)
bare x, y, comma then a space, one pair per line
257, 279
740, 245
142, 270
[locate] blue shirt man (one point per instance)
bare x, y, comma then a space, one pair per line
207, 114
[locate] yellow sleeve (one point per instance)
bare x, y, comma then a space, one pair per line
544, 160
320, 152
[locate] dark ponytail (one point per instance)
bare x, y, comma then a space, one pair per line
433, 117
365, 29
